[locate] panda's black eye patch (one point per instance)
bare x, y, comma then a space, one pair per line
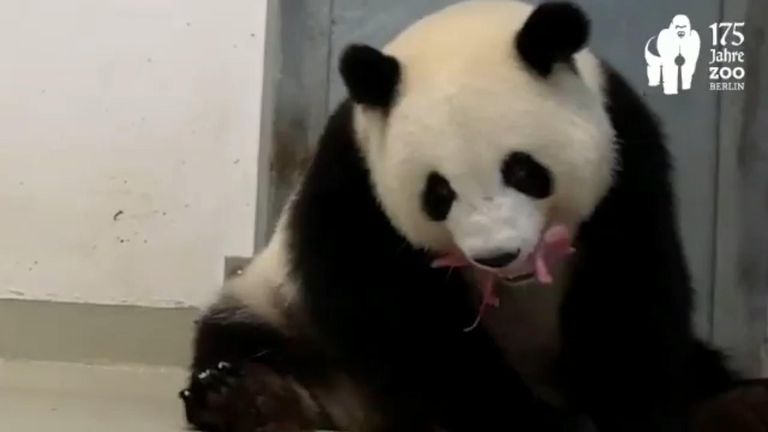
522, 172
438, 197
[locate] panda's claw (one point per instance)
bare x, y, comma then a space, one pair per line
218, 381
205, 395
185, 394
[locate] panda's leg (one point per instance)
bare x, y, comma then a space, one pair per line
461, 384
631, 370
702, 377
248, 377
708, 375
617, 393
484, 393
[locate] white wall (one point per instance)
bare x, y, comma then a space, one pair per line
146, 107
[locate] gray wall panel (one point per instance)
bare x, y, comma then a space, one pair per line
741, 290
297, 74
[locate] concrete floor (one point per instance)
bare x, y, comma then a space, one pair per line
42, 397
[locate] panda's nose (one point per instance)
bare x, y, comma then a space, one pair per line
497, 261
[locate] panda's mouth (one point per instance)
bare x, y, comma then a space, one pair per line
554, 245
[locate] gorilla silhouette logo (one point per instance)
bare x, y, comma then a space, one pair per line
678, 49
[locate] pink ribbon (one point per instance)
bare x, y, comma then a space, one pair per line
554, 245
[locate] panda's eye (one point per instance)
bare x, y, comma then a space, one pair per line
522, 172
438, 197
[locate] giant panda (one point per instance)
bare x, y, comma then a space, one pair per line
475, 130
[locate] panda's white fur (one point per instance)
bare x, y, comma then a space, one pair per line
464, 103
264, 285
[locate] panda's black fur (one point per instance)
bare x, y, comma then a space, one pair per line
375, 310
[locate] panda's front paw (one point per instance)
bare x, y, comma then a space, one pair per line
208, 397
252, 398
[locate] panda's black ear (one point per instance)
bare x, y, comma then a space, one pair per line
370, 75
553, 33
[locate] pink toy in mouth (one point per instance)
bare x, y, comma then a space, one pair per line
555, 244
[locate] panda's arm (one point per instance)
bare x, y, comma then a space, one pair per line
629, 353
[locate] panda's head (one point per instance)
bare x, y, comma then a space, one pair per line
482, 125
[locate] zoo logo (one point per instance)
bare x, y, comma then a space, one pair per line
678, 47
672, 55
